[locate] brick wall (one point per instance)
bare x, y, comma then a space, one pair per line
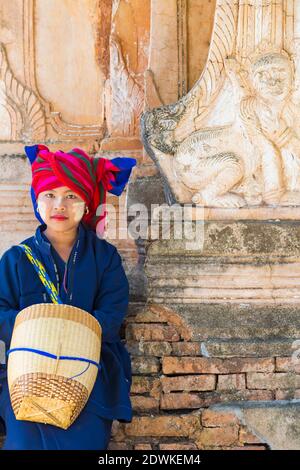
174, 387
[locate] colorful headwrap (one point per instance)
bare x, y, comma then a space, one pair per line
89, 177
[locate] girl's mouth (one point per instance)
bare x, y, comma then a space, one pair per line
59, 217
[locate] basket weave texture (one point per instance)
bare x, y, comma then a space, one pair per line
47, 390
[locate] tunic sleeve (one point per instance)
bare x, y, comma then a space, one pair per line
9, 294
111, 302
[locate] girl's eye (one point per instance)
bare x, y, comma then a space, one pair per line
71, 196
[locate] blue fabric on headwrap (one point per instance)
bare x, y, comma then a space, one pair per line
31, 153
125, 165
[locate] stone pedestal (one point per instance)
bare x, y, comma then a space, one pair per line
239, 294
215, 349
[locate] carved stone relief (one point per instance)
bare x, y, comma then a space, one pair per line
25, 69
124, 96
234, 139
23, 115
124, 89
79, 93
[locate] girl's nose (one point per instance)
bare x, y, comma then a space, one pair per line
59, 203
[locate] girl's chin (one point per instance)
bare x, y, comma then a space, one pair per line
56, 223
70, 222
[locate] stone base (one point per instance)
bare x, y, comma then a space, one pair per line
191, 390
255, 262
214, 351
237, 330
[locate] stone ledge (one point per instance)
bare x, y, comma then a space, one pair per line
257, 239
216, 347
240, 321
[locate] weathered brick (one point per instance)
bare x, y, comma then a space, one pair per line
287, 364
216, 418
189, 383
142, 447
156, 348
145, 365
272, 381
185, 400
173, 318
168, 426
202, 365
147, 316
141, 384
149, 348
177, 401
246, 437
119, 446
178, 446
231, 382
137, 332
117, 431
282, 364
247, 448
164, 333
153, 332
141, 403
185, 348
287, 394
134, 348
217, 436
245, 395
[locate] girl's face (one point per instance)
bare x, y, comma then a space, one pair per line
61, 208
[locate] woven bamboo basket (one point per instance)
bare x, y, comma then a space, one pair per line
53, 389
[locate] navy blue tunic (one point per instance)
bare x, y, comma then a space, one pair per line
96, 282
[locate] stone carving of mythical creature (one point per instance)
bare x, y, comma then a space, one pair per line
257, 158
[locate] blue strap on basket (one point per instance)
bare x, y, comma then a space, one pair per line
61, 358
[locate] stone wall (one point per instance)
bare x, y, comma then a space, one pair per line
217, 370
210, 333
176, 388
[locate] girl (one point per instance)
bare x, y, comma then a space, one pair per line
66, 191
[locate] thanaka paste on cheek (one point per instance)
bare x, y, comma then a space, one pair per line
42, 209
78, 210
